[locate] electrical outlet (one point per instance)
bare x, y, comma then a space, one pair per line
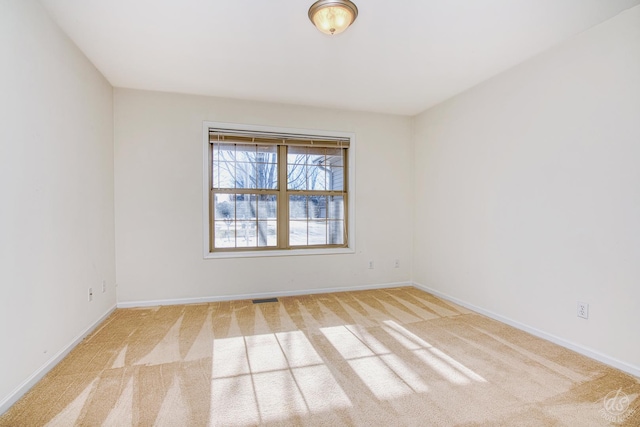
370, 265
583, 310
396, 264
90, 294
104, 286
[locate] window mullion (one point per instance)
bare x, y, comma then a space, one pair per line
283, 199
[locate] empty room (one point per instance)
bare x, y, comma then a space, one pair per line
333, 212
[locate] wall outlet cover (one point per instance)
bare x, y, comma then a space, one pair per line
583, 310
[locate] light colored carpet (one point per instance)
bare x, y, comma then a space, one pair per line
372, 358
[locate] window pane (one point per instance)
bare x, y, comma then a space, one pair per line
297, 177
267, 175
334, 157
245, 175
335, 169
267, 167
317, 233
316, 179
335, 208
246, 153
224, 152
296, 155
317, 206
246, 234
316, 169
296, 168
225, 235
224, 232
245, 166
224, 174
335, 178
267, 207
267, 153
246, 207
245, 220
335, 232
316, 230
224, 207
298, 207
316, 156
267, 233
215, 175
297, 233
224, 165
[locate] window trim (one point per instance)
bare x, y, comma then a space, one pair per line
351, 176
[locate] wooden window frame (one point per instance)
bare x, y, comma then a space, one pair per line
282, 138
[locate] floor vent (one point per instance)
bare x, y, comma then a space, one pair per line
260, 301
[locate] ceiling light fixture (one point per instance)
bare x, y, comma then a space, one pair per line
333, 16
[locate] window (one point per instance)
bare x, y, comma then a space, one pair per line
271, 191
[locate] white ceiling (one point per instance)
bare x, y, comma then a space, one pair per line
400, 56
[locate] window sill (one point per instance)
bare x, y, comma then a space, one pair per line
278, 253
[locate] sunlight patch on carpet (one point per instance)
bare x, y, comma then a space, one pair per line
262, 378
439, 361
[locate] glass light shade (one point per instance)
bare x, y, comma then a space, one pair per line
333, 17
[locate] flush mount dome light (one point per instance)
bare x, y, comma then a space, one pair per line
333, 16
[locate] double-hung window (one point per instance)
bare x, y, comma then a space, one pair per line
275, 191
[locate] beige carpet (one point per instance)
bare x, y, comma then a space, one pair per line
372, 358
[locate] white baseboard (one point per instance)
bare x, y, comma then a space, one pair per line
200, 300
16, 394
593, 354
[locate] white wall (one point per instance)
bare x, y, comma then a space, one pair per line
158, 179
56, 182
527, 192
